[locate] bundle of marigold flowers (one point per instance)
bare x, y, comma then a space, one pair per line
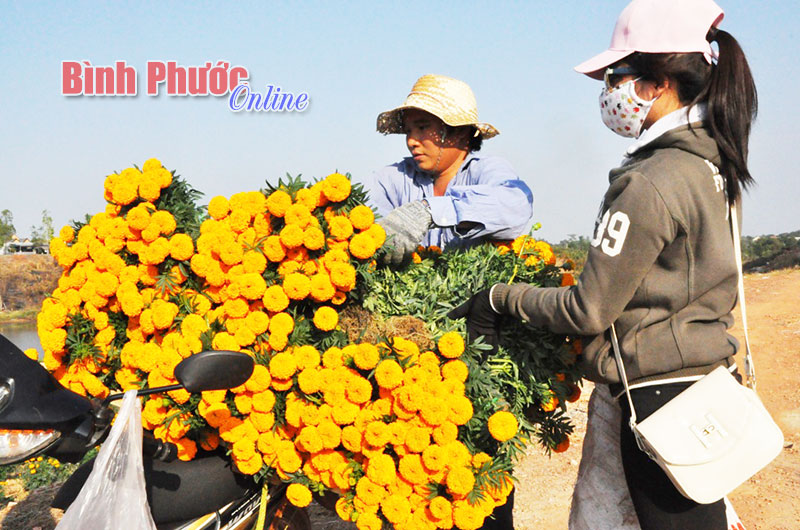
414, 436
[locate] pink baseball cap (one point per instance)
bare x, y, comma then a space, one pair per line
658, 26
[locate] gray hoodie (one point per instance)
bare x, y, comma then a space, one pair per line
661, 267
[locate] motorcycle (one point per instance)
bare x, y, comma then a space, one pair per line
38, 416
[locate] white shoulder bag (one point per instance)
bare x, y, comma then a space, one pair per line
715, 434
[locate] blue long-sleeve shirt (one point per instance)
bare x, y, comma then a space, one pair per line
485, 191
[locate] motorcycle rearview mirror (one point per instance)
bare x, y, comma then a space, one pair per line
214, 370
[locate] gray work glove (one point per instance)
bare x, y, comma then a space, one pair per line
406, 225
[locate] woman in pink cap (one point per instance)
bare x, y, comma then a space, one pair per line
661, 267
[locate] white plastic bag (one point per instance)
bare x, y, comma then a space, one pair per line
601, 500
114, 494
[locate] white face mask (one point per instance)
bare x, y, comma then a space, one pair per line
622, 110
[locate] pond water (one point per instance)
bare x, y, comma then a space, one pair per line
23, 335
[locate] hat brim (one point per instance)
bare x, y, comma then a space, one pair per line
389, 122
596, 66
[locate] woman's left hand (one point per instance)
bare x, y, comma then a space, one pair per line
482, 319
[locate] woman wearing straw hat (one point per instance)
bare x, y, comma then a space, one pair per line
443, 195
661, 267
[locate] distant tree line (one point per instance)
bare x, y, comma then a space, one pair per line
41, 234
756, 250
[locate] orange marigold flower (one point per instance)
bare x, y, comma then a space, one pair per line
67, 234
366, 356
434, 458
251, 285
322, 289
298, 214
378, 234
466, 516
389, 374
362, 217
278, 202
274, 249
340, 227
326, 318
451, 345
567, 279
313, 238
502, 425
282, 365
264, 400
362, 246
460, 480
297, 286
299, 495
257, 322
275, 299
377, 434
343, 276
292, 236
336, 187
411, 469
218, 207
441, 508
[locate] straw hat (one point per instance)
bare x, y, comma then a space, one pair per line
450, 100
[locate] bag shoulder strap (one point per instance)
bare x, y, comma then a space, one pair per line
750, 372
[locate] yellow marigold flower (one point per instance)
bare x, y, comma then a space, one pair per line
281, 323
278, 202
123, 190
308, 440
336, 187
322, 289
362, 246
254, 262
231, 253
451, 345
251, 285
369, 491
251, 466
181, 247
396, 509
460, 481
417, 439
239, 220
381, 469
309, 381
445, 433
278, 342
263, 401
344, 508
164, 314
236, 307
434, 412
275, 299
164, 220
340, 228
377, 434
282, 365
151, 164
411, 469
292, 236
326, 318
274, 249
330, 434
456, 369
313, 238
343, 276
257, 322
66, 234
299, 495
150, 186
362, 217
460, 410
297, 286
378, 234
389, 374
225, 341
434, 458
298, 214
366, 356
352, 438
368, 520
503, 425
359, 390
441, 508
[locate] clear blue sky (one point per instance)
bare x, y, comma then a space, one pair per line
354, 59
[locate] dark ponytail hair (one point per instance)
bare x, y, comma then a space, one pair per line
728, 90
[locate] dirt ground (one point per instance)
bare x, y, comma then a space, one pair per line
765, 502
